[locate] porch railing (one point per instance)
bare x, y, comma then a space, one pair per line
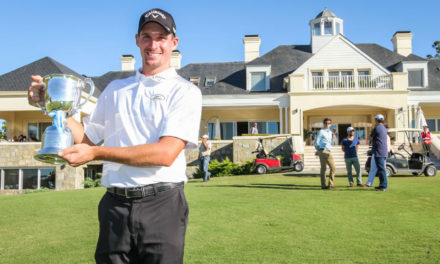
351, 82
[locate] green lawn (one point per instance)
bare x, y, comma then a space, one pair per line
278, 218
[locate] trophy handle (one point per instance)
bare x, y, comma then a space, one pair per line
38, 103
92, 89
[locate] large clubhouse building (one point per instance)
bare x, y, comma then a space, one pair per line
288, 90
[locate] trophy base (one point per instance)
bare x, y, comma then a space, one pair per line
50, 156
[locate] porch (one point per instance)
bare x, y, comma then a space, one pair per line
351, 82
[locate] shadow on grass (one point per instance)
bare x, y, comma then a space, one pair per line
339, 175
287, 187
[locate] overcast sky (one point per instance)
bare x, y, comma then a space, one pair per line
90, 36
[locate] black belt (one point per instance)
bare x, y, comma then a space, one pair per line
144, 191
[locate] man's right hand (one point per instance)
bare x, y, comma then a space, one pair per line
36, 92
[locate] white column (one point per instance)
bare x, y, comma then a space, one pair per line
38, 179
410, 116
286, 126
217, 128
2, 179
20, 179
281, 120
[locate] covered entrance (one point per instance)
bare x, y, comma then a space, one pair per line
359, 117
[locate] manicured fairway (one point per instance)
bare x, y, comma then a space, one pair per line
280, 218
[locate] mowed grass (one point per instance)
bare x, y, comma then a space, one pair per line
278, 218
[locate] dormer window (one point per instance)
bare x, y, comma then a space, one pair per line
417, 73
258, 81
258, 78
415, 78
195, 80
210, 81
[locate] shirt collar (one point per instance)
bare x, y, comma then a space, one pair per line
161, 76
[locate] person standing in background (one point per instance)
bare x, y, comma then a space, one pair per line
205, 157
323, 147
426, 137
380, 151
254, 129
350, 147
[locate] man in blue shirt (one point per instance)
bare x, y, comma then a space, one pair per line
323, 146
380, 151
350, 146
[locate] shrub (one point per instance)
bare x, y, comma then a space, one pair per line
226, 168
98, 182
89, 183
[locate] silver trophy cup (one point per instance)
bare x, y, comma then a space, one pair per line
62, 99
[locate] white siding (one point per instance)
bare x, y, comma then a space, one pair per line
339, 54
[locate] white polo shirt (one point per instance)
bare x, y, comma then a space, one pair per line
140, 110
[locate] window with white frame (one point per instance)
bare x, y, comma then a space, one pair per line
318, 79
340, 79
258, 81
228, 130
11, 179
433, 124
258, 78
363, 72
210, 81
415, 78
195, 80
27, 178
417, 73
36, 130
266, 127
211, 130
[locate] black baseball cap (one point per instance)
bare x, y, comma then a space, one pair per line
159, 16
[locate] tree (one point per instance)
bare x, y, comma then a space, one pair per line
436, 46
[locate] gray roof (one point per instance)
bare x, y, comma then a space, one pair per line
102, 81
325, 13
230, 76
389, 60
283, 60
433, 75
19, 79
385, 57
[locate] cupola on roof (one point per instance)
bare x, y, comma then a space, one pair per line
326, 13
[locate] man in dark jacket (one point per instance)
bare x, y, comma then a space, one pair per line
380, 152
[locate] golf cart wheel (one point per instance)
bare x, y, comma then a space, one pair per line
430, 171
261, 169
299, 166
389, 171
415, 174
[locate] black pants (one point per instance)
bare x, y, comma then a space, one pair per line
146, 230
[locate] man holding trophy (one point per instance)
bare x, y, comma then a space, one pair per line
144, 123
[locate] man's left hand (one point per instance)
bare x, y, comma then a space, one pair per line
78, 154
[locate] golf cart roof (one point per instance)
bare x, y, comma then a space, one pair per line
405, 130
